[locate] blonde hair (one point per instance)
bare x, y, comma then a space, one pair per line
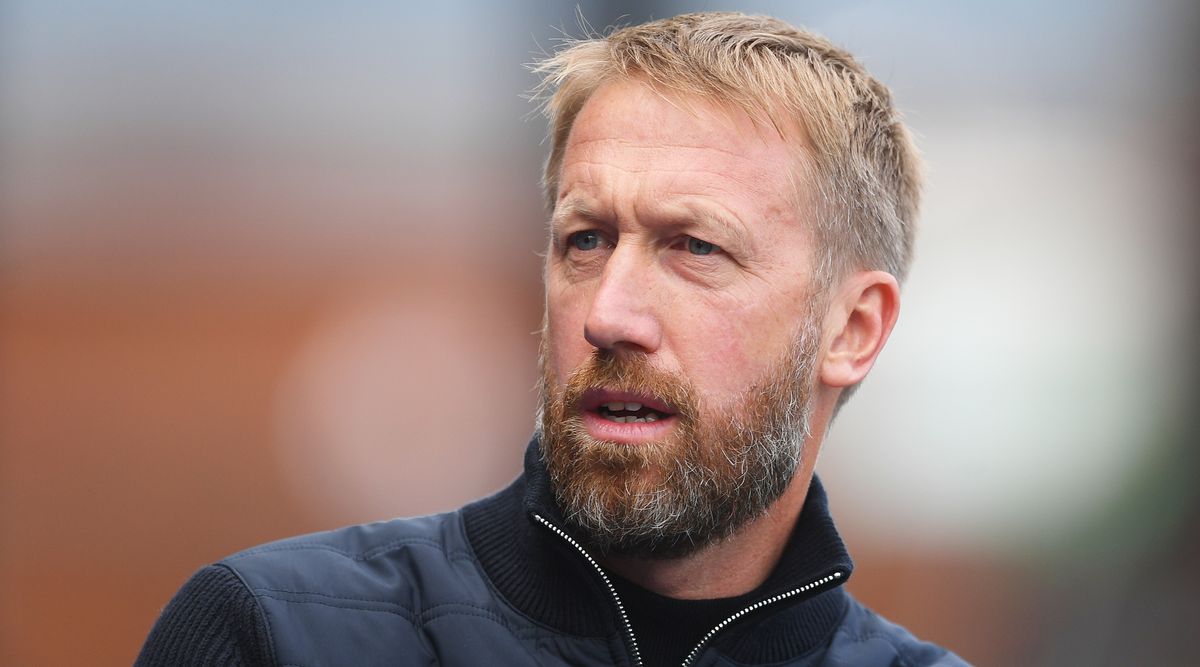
862, 162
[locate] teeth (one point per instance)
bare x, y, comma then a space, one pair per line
633, 420
619, 405
622, 406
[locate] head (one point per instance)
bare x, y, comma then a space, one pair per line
733, 204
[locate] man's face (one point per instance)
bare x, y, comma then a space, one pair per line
680, 337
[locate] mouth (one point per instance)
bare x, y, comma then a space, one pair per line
626, 417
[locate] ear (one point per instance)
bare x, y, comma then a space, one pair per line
859, 320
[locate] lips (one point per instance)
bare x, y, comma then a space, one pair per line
626, 417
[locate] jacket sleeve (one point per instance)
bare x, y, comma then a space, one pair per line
212, 620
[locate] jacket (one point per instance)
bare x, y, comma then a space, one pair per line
503, 582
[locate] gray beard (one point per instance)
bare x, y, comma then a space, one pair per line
670, 499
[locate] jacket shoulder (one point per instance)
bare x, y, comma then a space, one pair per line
866, 638
369, 594
385, 560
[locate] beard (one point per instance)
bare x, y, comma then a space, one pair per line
720, 467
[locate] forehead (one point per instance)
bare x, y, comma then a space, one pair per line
677, 146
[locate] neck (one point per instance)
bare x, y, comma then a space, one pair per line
730, 567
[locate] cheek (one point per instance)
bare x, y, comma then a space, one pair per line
717, 356
731, 347
566, 348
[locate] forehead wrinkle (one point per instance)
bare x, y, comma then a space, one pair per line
751, 185
700, 110
653, 145
727, 186
758, 164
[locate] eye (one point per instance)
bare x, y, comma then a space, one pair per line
698, 247
585, 240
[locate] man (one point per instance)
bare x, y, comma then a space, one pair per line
733, 203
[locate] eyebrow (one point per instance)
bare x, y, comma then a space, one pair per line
572, 208
731, 229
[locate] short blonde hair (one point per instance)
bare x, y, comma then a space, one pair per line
865, 168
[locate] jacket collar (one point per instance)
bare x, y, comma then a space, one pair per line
542, 576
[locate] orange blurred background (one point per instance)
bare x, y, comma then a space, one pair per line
266, 271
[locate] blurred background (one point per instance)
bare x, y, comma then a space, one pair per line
269, 268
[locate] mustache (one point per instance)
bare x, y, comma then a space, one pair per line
630, 371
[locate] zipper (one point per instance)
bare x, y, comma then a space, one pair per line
633, 647
695, 652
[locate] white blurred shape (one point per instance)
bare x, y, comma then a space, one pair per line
1034, 363
404, 404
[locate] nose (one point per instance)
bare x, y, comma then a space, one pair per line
622, 314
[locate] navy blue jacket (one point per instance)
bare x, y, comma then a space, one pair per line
502, 582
